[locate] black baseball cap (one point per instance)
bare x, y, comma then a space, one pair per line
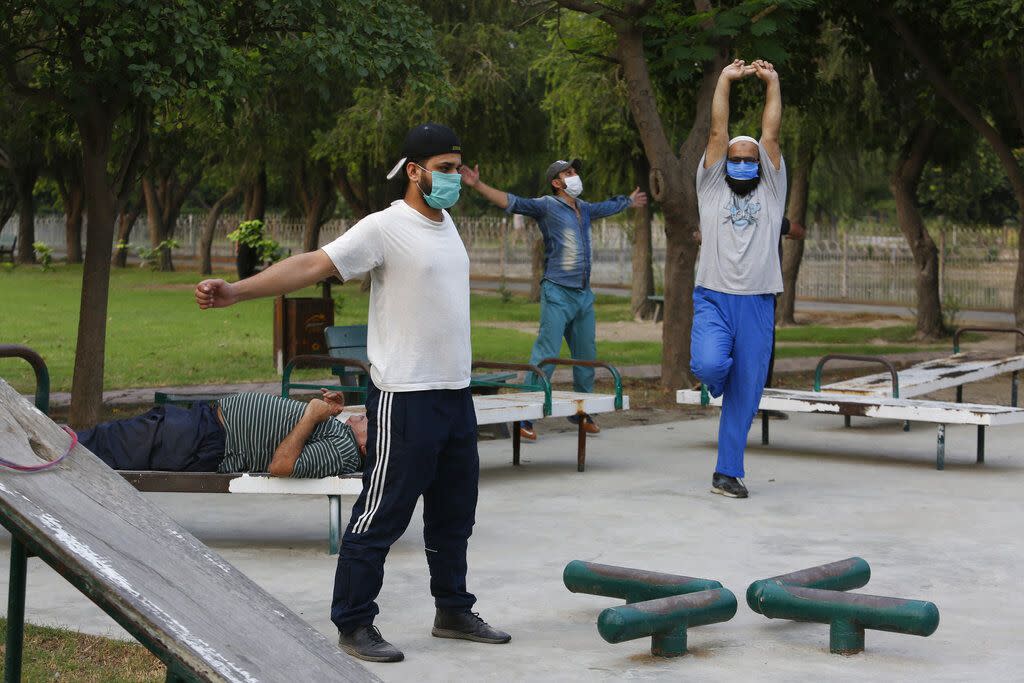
424, 141
559, 166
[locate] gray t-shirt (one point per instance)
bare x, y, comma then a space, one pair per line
740, 235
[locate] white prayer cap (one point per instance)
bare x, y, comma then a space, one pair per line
742, 138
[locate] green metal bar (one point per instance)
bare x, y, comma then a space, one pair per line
848, 614
866, 359
844, 575
958, 332
591, 364
38, 366
319, 362
666, 620
631, 585
15, 611
545, 384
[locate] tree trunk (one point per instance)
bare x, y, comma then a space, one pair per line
316, 192
125, 223
154, 219
642, 258
26, 182
673, 184
793, 250
256, 196
87, 385
536, 269
74, 204
903, 183
209, 227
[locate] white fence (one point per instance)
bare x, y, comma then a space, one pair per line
868, 262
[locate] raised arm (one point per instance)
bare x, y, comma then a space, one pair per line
295, 272
471, 177
718, 138
771, 119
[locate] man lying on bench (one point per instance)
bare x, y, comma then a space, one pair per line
246, 432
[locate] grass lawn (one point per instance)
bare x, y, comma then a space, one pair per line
156, 336
54, 654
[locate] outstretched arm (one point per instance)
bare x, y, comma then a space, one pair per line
295, 272
771, 119
718, 139
471, 177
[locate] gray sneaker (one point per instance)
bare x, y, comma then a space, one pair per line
366, 642
725, 485
466, 625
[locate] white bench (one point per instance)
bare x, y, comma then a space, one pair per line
937, 412
490, 409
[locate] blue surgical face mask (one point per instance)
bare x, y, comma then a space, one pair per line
742, 170
444, 189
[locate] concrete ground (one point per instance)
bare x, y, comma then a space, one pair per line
820, 493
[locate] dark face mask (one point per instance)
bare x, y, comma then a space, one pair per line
742, 187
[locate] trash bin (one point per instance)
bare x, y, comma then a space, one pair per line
299, 324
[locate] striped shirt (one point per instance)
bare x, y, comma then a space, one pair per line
256, 424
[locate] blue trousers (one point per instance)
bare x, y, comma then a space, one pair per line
730, 349
569, 313
418, 443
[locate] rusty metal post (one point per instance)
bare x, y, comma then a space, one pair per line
581, 447
666, 620
844, 575
981, 443
631, 585
848, 614
940, 448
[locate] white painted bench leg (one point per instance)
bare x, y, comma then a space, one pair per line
334, 524
940, 448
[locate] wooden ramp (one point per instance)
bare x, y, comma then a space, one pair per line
196, 612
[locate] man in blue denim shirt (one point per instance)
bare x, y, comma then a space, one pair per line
566, 302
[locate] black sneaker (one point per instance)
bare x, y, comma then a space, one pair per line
725, 485
466, 625
366, 642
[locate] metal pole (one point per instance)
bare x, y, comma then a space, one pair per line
516, 426
15, 611
940, 448
981, 443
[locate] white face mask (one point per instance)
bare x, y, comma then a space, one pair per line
573, 185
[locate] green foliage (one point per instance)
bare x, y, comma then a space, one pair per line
150, 258
250, 233
44, 254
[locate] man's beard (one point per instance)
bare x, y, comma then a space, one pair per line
742, 187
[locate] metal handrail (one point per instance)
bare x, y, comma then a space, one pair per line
959, 331
867, 359
38, 365
320, 362
545, 383
592, 364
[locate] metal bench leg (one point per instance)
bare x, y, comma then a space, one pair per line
960, 393
516, 436
906, 425
846, 420
981, 443
940, 448
15, 611
764, 427
581, 447
334, 524
1014, 382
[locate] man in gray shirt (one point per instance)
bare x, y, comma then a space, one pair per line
741, 192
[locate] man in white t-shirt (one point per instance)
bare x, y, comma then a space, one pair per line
422, 424
741, 194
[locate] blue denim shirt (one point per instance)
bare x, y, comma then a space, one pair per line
566, 237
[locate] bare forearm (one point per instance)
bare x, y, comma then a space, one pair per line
718, 138
495, 196
295, 272
771, 119
290, 448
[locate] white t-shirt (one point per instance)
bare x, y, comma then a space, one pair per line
418, 335
739, 250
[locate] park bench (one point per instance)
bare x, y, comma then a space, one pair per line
209, 623
888, 394
7, 246
530, 403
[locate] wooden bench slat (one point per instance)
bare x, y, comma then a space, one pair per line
933, 375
